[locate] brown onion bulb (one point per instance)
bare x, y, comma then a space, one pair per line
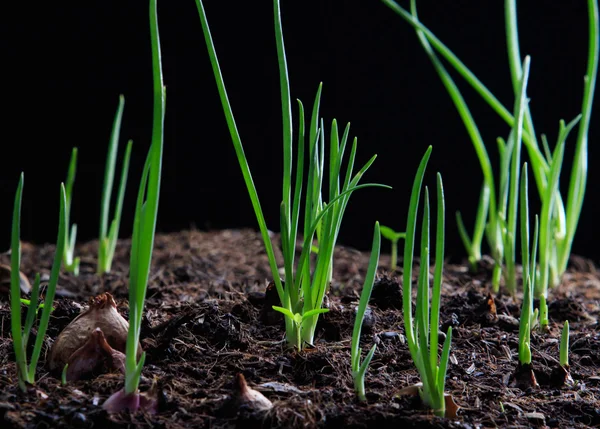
244, 397
93, 357
102, 313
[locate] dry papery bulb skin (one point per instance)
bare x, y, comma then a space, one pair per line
5, 271
102, 313
247, 398
93, 357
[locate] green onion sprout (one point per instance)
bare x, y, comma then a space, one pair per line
359, 369
108, 236
70, 262
559, 223
394, 237
564, 346
305, 287
63, 375
26, 372
422, 332
142, 241
528, 317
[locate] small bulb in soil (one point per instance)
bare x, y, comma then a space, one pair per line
133, 402
91, 358
81, 338
5, 271
524, 377
246, 398
561, 376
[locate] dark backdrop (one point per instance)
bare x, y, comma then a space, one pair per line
65, 64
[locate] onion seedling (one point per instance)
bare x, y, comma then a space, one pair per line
359, 369
528, 315
422, 332
109, 236
564, 346
70, 262
306, 285
142, 241
563, 219
394, 237
26, 372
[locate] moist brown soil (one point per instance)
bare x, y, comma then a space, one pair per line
205, 323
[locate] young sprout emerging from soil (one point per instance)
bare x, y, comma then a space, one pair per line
564, 346
528, 256
359, 369
26, 372
142, 240
70, 263
108, 237
305, 287
422, 332
63, 375
394, 237
557, 236
524, 375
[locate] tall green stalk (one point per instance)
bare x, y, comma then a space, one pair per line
422, 332
324, 203
108, 237
26, 372
359, 369
563, 219
70, 262
142, 240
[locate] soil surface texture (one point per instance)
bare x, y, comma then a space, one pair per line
208, 318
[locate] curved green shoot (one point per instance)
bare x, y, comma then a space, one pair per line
63, 375
394, 237
422, 332
509, 233
70, 262
146, 213
26, 371
306, 285
359, 369
564, 218
528, 317
487, 202
109, 235
564, 346
142, 240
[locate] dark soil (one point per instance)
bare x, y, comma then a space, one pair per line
205, 323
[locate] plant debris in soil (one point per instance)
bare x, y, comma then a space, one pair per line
207, 322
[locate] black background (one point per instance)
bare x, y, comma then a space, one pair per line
64, 65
